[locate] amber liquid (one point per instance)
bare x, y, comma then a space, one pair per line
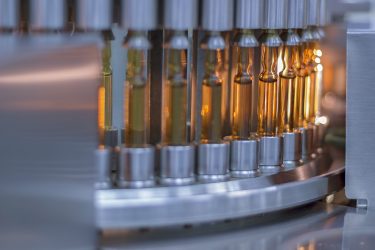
175, 99
301, 101
136, 101
242, 95
268, 93
212, 99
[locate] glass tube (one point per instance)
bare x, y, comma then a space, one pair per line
308, 44
174, 122
289, 93
318, 73
212, 89
105, 93
137, 91
268, 85
303, 76
243, 85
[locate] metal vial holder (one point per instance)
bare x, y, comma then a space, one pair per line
307, 143
177, 165
292, 149
244, 158
213, 162
320, 136
103, 168
270, 154
110, 137
136, 167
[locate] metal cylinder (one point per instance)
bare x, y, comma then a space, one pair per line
9, 14
94, 14
291, 149
103, 168
270, 154
177, 165
180, 14
249, 14
315, 138
217, 15
213, 162
48, 14
322, 127
307, 143
312, 12
275, 16
323, 15
136, 167
296, 14
139, 14
110, 137
244, 158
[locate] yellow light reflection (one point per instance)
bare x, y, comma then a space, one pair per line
101, 106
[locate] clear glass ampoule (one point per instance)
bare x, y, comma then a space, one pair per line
137, 91
243, 86
212, 88
268, 88
105, 90
289, 95
175, 97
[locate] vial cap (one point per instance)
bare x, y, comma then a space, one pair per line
296, 14
323, 15
217, 15
139, 14
313, 11
9, 13
180, 14
249, 14
275, 14
47, 14
94, 14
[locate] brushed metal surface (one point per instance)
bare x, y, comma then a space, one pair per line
48, 135
166, 206
360, 111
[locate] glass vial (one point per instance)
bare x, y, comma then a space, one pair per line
268, 88
137, 91
213, 46
289, 96
175, 85
243, 87
105, 90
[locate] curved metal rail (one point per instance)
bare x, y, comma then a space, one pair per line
167, 206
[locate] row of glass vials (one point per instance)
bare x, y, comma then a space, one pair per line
238, 96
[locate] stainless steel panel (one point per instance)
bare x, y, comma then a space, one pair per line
360, 122
48, 135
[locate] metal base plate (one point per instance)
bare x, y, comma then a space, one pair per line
199, 203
